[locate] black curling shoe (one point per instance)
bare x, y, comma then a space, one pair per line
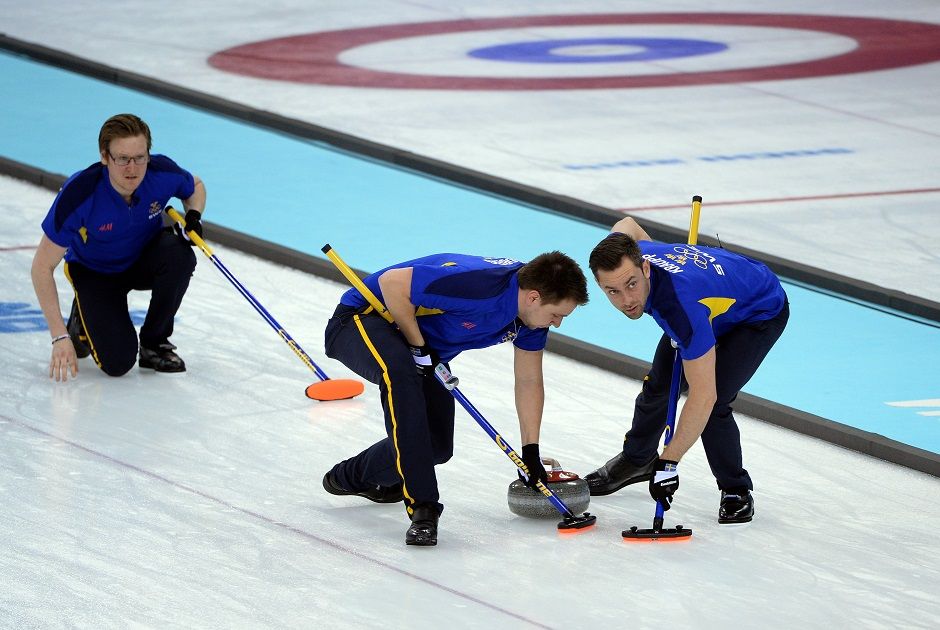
161, 359
423, 530
378, 494
617, 473
737, 506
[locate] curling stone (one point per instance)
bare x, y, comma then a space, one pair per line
567, 486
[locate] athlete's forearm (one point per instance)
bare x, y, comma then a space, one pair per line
197, 200
529, 393
47, 258
48, 296
530, 401
691, 423
700, 374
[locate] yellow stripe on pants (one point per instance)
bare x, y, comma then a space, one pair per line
91, 344
391, 406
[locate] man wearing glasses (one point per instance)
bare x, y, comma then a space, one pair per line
107, 222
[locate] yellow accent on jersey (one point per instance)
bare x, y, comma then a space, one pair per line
717, 306
427, 311
83, 233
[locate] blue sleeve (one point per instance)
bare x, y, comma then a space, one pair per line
684, 320
186, 183
63, 221
702, 337
59, 236
532, 340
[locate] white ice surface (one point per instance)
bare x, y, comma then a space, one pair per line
194, 500
887, 122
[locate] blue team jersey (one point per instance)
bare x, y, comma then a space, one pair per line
463, 302
99, 228
699, 293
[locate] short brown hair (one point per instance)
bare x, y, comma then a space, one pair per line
556, 277
122, 126
610, 252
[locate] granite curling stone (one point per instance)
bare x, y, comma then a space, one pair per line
567, 486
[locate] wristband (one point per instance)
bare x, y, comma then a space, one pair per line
59, 338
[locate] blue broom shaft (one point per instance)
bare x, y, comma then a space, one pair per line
270, 319
677, 364
170, 210
670, 423
508, 450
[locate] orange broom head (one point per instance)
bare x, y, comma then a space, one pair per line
575, 532
658, 540
663, 536
335, 389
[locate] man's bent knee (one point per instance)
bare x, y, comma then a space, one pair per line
118, 367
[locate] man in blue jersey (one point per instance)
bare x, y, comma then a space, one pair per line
107, 222
443, 304
723, 312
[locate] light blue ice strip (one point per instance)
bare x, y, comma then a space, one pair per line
837, 359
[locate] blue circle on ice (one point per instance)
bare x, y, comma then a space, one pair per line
553, 50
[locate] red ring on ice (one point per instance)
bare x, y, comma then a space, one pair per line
314, 58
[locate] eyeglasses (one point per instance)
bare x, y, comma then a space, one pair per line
124, 160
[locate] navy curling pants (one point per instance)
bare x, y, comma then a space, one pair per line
419, 412
164, 267
739, 353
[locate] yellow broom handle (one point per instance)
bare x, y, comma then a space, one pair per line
357, 283
693, 224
